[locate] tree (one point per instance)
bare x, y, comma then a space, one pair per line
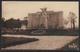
2, 22
72, 18
25, 21
13, 23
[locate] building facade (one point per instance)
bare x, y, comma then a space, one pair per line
45, 19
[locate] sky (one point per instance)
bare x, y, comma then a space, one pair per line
20, 9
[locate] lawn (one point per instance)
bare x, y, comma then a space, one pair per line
11, 41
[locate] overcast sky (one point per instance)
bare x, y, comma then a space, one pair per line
20, 9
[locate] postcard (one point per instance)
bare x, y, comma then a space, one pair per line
40, 25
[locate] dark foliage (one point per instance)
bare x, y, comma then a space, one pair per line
12, 23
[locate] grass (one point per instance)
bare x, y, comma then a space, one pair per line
11, 41
74, 45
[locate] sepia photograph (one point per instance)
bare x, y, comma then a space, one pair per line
39, 25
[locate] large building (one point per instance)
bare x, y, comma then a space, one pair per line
45, 19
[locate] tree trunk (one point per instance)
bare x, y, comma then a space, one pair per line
73, 24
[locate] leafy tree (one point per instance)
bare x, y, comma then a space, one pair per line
25, 21
13, 23
2, 22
